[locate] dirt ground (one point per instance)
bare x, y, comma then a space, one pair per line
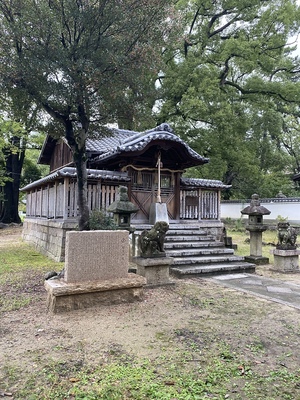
192, 312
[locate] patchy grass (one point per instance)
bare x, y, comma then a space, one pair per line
21, 257
22, 271
221, 374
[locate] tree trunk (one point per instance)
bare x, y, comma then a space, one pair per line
79, 157
10, 211
80, 162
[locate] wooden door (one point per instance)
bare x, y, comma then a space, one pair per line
144, 192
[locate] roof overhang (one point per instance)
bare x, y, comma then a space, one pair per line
70, 172
192, 183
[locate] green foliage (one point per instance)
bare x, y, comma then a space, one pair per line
101, 220
85, 63
231, 90
31, 172
236, 225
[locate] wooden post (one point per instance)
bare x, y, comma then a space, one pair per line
54, 199
65, 198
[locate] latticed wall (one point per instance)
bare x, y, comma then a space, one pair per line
200, 204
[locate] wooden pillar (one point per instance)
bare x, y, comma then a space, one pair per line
65, 198
41, 201
55, 200
219, 205
177, 194
200, 206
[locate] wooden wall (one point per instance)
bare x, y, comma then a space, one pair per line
61, 155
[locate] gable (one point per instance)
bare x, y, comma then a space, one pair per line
124, 147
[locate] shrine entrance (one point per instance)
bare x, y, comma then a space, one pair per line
144, 189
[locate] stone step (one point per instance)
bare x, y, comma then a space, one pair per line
192, 245
196, 253
188, 238
172, 232
202, 270
184, 226
174, 253
212, 259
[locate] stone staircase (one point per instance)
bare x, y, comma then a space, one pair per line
196, 253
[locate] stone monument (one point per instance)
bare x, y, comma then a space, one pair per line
255, 226
286, 255
95, 273
152, 262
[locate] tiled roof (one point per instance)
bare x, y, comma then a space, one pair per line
204, 183
70, 172
103, 144
123, 141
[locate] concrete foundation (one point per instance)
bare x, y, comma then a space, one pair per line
48, 236
155, 270
63, 296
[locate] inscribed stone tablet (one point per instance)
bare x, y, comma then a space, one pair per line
96, 255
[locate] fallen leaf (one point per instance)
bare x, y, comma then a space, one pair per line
242, 369
74, 380
169, 383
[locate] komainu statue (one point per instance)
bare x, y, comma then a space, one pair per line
151, 243
287, 236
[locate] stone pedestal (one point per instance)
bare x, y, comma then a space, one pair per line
286, 260
96, 272
63, 297
155, 270
257, 260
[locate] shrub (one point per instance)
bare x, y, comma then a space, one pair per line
101, 220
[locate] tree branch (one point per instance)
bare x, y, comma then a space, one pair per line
259, 91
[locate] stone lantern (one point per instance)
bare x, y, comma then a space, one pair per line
122, 210
255, 226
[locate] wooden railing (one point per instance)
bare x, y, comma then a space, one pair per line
58, 200
199, 204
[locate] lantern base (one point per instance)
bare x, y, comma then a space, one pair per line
257, 260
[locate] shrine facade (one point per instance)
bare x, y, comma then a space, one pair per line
129, 159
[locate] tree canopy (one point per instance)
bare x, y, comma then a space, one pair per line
231, 87
75, 58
